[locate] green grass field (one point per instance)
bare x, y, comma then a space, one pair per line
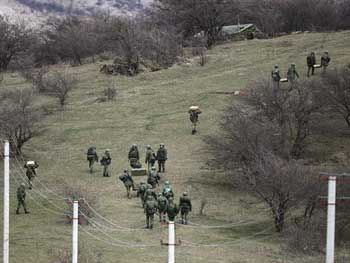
150, 109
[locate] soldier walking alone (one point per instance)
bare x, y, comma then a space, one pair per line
105, 162
126, 178
311, 62
185, 207
92, 157
162, 156
21, 197
30, 167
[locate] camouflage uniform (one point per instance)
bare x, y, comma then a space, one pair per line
185, 207
150, 210
92, 157
292, 74
105, 162
162, 156
194, 115
276, 77
31, 173
141, 191
162, 207
311, 62
150, 157
167, 190
325, 59
134, 156
153, 177
128, 182
149, 193
172, 210
21, 197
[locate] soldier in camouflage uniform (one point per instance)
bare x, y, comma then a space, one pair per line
134, 156
150, 157
30, 172
150, 209
105, 162
185, 207
194, 115
167, 190
141, 191
276, 77
162, 207
162, 156
21, 197
128, 182
92, 157
153, 177
149, 192
325, 59
311, 62
292, 74
172, 209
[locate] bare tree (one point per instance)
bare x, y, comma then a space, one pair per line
18, 117
198, 16
15, 38
337, 91
58, 84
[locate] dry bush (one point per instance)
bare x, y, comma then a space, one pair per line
86, 255
19, 117
110, 93
85, 198
337, 91
58, 84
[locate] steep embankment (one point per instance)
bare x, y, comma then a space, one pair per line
150, 109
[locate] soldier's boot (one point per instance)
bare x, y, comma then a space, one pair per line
27, 212
17, 212
185, 219
147, 220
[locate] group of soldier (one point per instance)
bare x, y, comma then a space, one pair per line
292, 73
153, 202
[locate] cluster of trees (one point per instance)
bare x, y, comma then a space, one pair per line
265, 137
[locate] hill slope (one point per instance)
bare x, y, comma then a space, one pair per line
150, 109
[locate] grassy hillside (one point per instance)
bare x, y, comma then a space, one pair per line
150, 109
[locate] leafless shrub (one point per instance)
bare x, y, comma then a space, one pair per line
58, 84
85, 198
110, 93
18, 117
337, 91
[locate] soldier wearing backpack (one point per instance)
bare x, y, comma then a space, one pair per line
194, 115
21, 197
141, 191
276, 77
149, 192
92, 157
105, 162
185, 207
134, 156
167, 190
150, 157
162, 157
172, 209
150, 210
162, 207
30, 167
153, 177
128, 182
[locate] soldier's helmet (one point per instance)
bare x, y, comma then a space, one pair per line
184, 194
107, 151
276, 66
161, 145
142, 182
23, 184
326, 52
148, 146
166, 183
153, 168
125, 170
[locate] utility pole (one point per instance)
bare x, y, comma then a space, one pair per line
75, 231
171, 242
6, 203
332, 179
332, 184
